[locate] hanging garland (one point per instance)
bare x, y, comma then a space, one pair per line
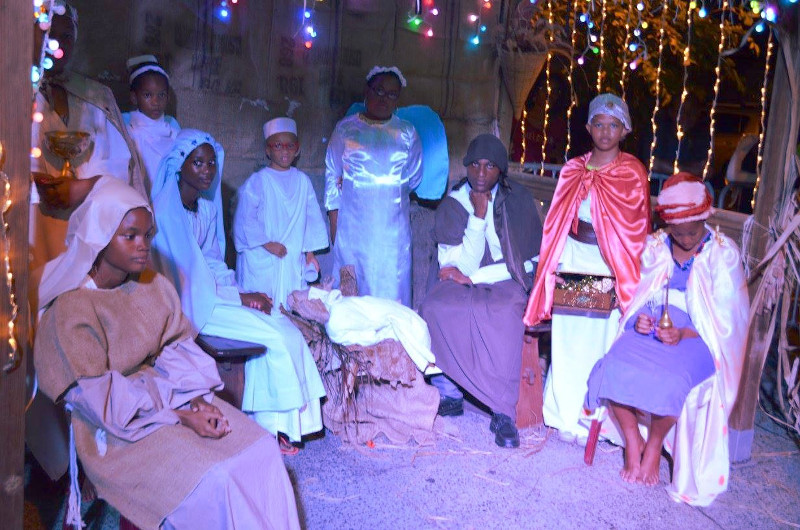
656, 108
684, 92
12, 356
717, 81
625, 50
763, 130
522, 131
602, 48
572, 99
547, 82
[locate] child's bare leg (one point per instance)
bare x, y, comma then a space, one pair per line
634, 444
651, 459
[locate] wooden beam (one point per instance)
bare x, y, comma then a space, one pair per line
779, 135
15, 134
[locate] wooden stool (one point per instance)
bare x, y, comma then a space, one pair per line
230, 355
531, 394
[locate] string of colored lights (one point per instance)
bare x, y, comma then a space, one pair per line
625, 50
223, 12
602, 48
761, 134
43, 12
653, 122
417, 18
639, 46
307, 29
547, 84
12, 357
684, 92
717, 82
572, 99
586, 18
477, 20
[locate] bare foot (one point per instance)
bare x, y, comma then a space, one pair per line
633, 459
649, 470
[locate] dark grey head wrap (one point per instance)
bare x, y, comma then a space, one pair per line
489, 147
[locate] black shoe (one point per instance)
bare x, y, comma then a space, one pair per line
451, 407
505, 432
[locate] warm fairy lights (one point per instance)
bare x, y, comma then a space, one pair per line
625, 51
571, 67
684, 93
12, 359
599, 85
717, 70
760, 157
653, 123
549, 87
522, 131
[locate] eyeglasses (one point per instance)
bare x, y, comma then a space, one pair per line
383, 93
278, 146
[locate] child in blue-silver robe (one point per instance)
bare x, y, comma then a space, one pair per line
371, 168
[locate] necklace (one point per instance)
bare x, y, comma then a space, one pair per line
688, 263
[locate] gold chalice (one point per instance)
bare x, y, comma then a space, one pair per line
68, 145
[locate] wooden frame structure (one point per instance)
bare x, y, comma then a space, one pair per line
15, 134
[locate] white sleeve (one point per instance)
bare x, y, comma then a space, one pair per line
333, 170
225, 278
466, 256
248, 220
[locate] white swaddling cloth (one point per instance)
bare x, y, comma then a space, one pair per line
367, 320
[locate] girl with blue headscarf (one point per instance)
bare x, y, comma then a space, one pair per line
282, 388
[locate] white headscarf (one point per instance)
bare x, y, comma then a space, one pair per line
176, 253
378, 70
90, 229
141, 64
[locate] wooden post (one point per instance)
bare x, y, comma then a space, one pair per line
779, 134
15, 134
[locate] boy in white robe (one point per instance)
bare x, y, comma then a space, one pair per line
278, 223
153, 131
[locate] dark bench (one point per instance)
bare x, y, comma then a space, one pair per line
529, 404
230, 355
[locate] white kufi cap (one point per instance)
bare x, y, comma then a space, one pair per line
279, 125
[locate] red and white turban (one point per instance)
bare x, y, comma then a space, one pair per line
683, 199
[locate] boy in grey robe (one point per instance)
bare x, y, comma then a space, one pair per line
474, 311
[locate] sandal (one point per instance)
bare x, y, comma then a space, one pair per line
286, 446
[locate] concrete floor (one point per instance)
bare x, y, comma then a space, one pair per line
465, 481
